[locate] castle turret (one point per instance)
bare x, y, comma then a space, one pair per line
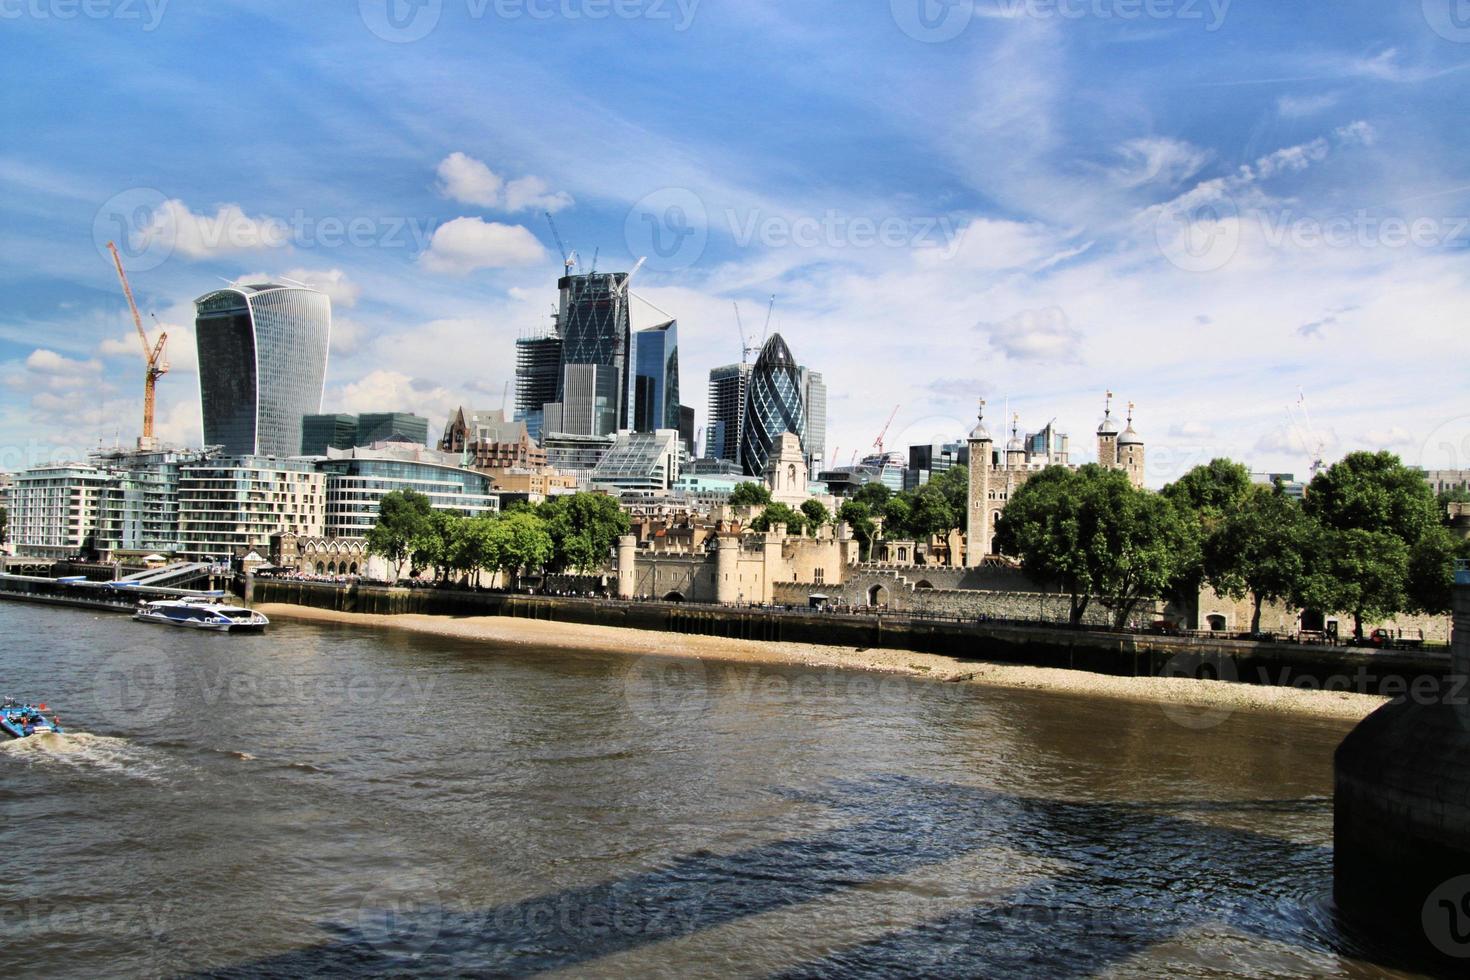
1015, 448
977, 517
627, 565
1130, 451
1107, 437
727, 565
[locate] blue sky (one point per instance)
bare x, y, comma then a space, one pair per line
1205, 206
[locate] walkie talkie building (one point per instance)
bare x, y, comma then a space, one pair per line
773, 405
262, 365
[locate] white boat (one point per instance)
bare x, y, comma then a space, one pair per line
201, 614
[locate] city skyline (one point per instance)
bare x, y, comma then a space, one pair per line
1047, 271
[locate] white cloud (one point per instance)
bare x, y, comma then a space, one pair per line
1300, 106
228, 230
1191, 429
334, 282
532, 192
1036, 335
463, 245
48, 362
1392, 437
464, 179
347, 335
1158, 159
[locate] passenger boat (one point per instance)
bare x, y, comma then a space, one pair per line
23, 720
201, 613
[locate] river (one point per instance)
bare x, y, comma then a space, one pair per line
325, 799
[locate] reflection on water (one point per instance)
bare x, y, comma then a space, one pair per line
331, 800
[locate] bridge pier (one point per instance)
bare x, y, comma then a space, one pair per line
1401, 815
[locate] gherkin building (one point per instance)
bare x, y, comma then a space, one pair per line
773, 405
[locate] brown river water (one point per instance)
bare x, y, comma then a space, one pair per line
337, 800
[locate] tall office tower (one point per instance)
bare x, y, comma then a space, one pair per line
322, 432
773, 405
592, 320
686, 428
814, 439
726, 403
262, 365
653, 378
400, 426
538, 374
589, 405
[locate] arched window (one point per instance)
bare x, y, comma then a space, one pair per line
321, 569
354, 569
1216, 622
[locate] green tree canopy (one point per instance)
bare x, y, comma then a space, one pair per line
1212, 489
1364, 573
779, 513
1431, 574
1259, 548
437, 543
584, 527
402, 516
1093, 533
1373, 492
875, 495
750, 494
816, 513
859, 517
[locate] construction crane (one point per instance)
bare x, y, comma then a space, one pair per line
878, 442
1311, 441
153, 357
568, 259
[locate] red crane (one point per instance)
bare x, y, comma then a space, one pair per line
878, 442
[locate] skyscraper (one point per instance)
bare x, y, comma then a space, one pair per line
774, 404
262, 364
814, 439
653, 379
592, 321
538, 374
726, 403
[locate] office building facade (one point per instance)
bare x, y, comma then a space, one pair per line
727, 386
814, 438
54, 510
774, 405
358, 479
262, 365
653, 379
538, 375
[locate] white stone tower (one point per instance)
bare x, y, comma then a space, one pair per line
1107, 437
1130, 451
977, 516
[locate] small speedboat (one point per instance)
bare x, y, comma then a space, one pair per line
201, 613
19, 720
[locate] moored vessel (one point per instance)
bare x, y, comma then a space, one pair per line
201, 613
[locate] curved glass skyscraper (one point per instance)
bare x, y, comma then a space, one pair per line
773, 405
262, 365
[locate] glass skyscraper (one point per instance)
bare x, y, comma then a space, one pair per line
262, 365
653, 381
774, 404
727, 386
814, 439
592, 321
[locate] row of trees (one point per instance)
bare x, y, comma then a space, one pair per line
573, 533
810, 518
1369, 538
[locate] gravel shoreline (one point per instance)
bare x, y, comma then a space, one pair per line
1184, 693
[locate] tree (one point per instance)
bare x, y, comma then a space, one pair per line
750, 494
1259, 548
875, 495
816, 513
584, 527
1205, 495
1093, 533
474, 545
437, 543
775, 514
401, 518
1360, 572
520, 540
1431, 571
1373, 492
857, 516
954, 483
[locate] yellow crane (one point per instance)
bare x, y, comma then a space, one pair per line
152, 356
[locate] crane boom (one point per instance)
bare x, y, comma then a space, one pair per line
156, 366
878, 442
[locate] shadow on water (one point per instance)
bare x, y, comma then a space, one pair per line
1127, 877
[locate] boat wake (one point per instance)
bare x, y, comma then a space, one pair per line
84, 752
